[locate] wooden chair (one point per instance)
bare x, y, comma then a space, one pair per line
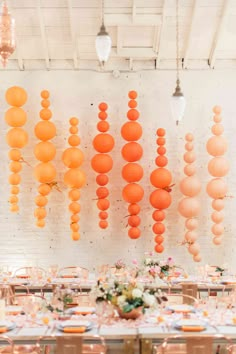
30, 273
27, 301
79, 345
6, 345
181, 298
180, 344
73, 272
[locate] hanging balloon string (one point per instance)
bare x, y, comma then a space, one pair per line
55, 186
24, 161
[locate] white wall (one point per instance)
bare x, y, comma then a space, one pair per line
78, 94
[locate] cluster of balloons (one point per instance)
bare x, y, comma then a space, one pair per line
102, 163
74, 178
160, 198
218, 167
189, 207
44, 151
132, 172
16, 138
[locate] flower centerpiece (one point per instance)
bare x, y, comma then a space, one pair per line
120, 264
130, 300
157, 268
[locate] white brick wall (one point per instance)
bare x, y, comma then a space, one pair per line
78, 94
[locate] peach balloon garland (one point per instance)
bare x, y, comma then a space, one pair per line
189, 206
218, 167
102, 163
160, 198
132, 172
74, 178
16, 138
44, 151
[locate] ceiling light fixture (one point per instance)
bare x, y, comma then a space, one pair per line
103, 41
7, 34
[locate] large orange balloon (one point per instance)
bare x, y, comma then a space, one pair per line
132, 193
45, 172
45, 130
190, 186
103, 143
17, 138
131, 131
216, 188
189, 207
102, 163
217, 146
44, 151
132, 151
15, 117
132, 172
161, 178
218, 166
16, 96
160, 199
72, 157
74, 178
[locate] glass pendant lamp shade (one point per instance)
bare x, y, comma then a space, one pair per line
178, 104
103, 45
7, 34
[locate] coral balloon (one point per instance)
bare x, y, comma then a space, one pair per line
217, 146
14, 179
134, 233
134, 220
72, 157
102, 192
44, 189
189, 137
132, 151
74, 178
41, 201
217, 109
197, 258
103, 224
161, 150
15, 117
161, 178
159, 239
218, 167
132, 104
131, 131
158, 215
158, 228
161, 132
103, 204
103, 106
132, 193
16, 96
102, 115
14, 155
102, 163
102, 179
17, 138
159, 248
132, 172
216, 188
161, 161
15, 166
74, 194
218, 204
45, 130
75, 236
73, 130
44, 151
134, 209
190, 186
133, 94
103, 143
189, 207
160, 199
103, 126
74, 207
45, 172
103, 215
45, 114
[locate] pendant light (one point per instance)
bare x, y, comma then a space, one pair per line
178, 101
103, 41
7, 34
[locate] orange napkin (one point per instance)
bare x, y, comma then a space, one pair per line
192, 328
82, 312
13, 313
3, 329
22, 276
68, 276
74, 329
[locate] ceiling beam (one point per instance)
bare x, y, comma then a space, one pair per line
73, 35
133, 10
158, 45
189, 37
218, 33
43, 34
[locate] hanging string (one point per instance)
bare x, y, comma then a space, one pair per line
177, 41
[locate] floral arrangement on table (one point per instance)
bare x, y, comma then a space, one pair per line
62, 298
120, 264
127, 297
155, 267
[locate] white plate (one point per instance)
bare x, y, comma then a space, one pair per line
72, 323
81, 309
189, 322
180, 308
14, 309
8, 324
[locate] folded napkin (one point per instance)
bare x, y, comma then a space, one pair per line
81, 329
3, 329
13, 313
23, 276
69, 276
82, 312
192, 328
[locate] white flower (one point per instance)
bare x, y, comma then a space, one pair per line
121, 300
137, 293
147, 261
149, 299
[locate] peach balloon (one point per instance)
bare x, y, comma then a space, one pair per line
191, 224
190, 186
217, 229
189, 157
197, 258
218, 204
189, 137
217, 240
190, 169
216, 188
189, 207
217, 109
217, 129
217, 217
218, 166
194, 249
217, 118
189, 146
217, 146
191, 236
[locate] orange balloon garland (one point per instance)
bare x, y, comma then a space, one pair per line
16, 138
218, 167
189, 206
44, 151
102, 163
74, 178
160, 198
132, 172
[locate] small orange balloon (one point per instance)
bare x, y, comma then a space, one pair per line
41, 201
103, 215
40, 223
14, 179
45, 172
133, 114
75, 218
134, 233
40, 213
15, 117
131, 131
159, 248
14, 155
102, 115
103, 126
217, 119
45, 94
133, 94
74, 140
103, 224
15, 190
191, 224
17, 138
45, 114
132, 172
132, 151
132, 193
134, 220
161, 178
217, 109
217, 188
217, 145
103, 143
102, 163
133, 209
189, 146
161, 132
73, 157
45, 103
218, 204
161, 150
73, 130
74, 207
74, 121
14, 208
44, 151
217, 217
161, 161
15, 166
159, 239
16, 96
44, 189
74, 178
189, 157
102, 179
103, 106
161, 141
160, 199
158, 215
13, 199
103, 204
217, 129
74, 226
74, 194
158, 228
190, 169
102, 192
132, 104
189, 137
217, 240
45, 130
75, 236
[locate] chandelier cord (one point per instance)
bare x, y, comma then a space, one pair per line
177, 41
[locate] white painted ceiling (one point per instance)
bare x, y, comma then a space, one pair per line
60, 34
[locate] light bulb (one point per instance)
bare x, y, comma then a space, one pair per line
103, 45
